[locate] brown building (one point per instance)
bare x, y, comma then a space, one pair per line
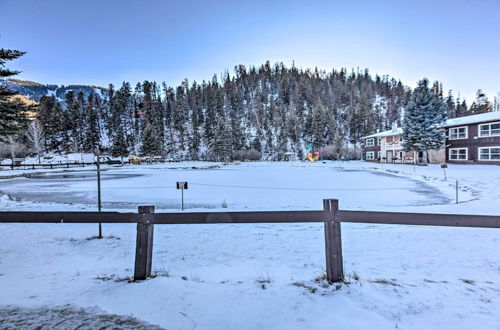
474, 139
471, 139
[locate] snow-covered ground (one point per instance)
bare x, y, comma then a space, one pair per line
262, 276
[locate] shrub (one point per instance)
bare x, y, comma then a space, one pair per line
253, 154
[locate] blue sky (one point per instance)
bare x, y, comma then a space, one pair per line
108, 41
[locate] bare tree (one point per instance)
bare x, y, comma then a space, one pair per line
14, 148
36, 138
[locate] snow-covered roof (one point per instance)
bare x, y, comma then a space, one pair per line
481, 118
384, 133
473, 119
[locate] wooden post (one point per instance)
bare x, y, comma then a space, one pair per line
333, 243
144, 244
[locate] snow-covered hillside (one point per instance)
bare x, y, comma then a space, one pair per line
35, 91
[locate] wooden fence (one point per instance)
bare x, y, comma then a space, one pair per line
331, 216
78, 164
45, 165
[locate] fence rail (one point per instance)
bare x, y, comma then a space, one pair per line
50, 165
83, 164
419, 219
331, 216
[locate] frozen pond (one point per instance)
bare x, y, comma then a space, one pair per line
248, 186
254, 276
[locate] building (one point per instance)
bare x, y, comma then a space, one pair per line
474, 139
471, 139
384, 146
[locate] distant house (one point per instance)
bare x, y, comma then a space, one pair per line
384, 146
470, 139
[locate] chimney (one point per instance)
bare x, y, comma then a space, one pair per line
394, 127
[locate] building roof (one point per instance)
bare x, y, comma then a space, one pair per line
481, 118
384, 133
473, 119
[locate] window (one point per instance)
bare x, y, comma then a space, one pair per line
369, 143
370, 155
489, 153
457, 133
378, 154
393, 139
379, 140
458, 154
492, 129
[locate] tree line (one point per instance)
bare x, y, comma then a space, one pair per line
264, 112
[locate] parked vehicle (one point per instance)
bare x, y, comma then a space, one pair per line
135, 159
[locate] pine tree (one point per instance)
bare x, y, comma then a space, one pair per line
119, 147
12, 111
91, 126
450, 105
50, 115
362, 120
222, 146
461, 108
151, 144
77, 120
319, 123
481, 104
424, 116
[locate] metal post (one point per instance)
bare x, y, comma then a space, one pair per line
182, 199
333, 243
98, 164
456, 188
144, 243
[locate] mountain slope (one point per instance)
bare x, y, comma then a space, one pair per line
34, 91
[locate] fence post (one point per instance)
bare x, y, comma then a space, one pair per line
144, 244
333, 243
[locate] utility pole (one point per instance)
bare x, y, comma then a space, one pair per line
98, 165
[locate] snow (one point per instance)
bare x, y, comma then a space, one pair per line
260, 276
481, 118
385, 133
51, 92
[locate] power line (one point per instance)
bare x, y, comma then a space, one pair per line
298, 189
140, 187
256, 187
